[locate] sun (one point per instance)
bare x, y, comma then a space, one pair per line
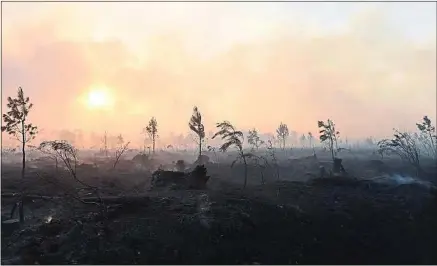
99, 98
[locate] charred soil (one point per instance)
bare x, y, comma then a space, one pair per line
318, 222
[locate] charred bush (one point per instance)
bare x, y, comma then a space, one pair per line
163, 178
338, 166
196, 179
180, 165
141, 158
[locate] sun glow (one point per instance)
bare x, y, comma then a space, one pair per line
99, 98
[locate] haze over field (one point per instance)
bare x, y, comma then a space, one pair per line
112, 66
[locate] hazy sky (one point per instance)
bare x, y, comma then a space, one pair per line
368, 66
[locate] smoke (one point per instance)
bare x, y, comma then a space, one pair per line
397, 179
255, 65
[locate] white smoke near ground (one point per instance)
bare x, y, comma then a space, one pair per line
399, 179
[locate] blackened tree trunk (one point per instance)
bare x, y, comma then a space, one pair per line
200, 146
245, 171
23, 169
338, 166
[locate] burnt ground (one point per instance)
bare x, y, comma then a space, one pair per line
317, 222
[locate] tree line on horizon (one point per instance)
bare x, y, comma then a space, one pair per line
408, 146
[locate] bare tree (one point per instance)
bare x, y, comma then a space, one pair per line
310, 140
105, 143
254, 139
233, 137
121, 148
50, 153
16, 125
67, 153
64, 151
152, 130
197, 127
262, 163
282, 133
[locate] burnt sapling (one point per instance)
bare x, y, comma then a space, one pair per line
262, 163
428, 137
254, 140
16, 125
410, 146
329, 135
272, 153
310, 140
198, 128
233, 137
105, 143
121, 148
282, 133
152, 131
67, 153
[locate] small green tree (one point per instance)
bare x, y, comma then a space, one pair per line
254, 140
329, 135
152, 130
197, 127
16, 125
282, 133
233, 137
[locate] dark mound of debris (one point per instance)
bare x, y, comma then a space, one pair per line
196, 179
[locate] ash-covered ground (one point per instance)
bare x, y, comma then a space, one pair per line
377, 214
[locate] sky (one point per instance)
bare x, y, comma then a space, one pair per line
370, 67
